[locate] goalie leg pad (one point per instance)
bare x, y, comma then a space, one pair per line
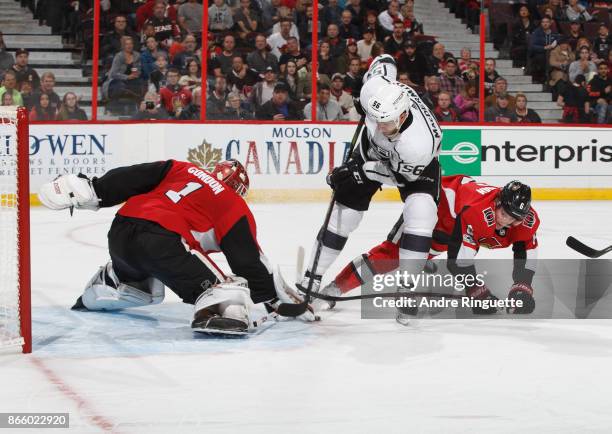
223, 309
104, 291
68, 191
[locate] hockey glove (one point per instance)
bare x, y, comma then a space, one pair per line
349, 173
521, 292
286, 294
481, 293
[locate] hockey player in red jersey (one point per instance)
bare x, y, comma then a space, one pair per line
174, 214
471, 215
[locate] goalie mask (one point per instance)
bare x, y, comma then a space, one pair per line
386, 108
233, 174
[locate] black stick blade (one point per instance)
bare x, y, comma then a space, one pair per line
582, 248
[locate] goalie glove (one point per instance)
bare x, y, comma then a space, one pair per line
521, 292
69, 191
481, 292
350, 172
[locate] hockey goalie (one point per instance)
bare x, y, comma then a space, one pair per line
174, 215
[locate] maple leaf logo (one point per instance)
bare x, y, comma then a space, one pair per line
205, 156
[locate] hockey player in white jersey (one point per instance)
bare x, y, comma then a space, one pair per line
399, 147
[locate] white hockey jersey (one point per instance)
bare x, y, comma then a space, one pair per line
410, 151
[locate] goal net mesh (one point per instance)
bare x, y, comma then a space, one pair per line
10, 333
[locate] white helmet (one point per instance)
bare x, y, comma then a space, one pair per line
390, 101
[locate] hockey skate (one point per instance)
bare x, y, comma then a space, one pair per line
209, 322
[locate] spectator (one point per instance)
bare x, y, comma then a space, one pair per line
221, 64
521, 32
437, 59
6, 58
542, 41
350, 53
413, 63
331, 13
173, 96
27, 94
467, 103
220, 17
47, 83
9, 85
432, 90
522, 114
395, 42
500, 112
556, 12
465, 61
575, 101
262, 91
327, 108
575, 34
600, 93
293, 52
348, 30
372, 23
7, 99
500, 87
353, 78
305, 26
357, 11
160, 70
279, 108
412, 26
364, 46
248, 21
338, 94
298, 82
150, 109
336, 44
111, 42
261, 59
42, 110
443, 111
390, 16
70, 110
124, 76
576, 12
278, 40
165, 28
560, 59
189, 17
192, 111
215, 102
236, 111
490, 76
449, 80
148, 56
193, 77
241, 78
187, 54
23, 71
327, 65
286, 13
583, 65
145, 12
601, 45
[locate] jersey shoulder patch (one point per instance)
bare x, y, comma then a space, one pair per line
530, 220
489, 216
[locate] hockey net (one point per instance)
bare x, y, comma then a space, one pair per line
15, 321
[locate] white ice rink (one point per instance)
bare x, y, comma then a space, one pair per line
143, 371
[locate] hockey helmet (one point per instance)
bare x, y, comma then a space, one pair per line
515, 199
386, 107
232, 173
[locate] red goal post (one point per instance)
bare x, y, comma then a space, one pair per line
15, 294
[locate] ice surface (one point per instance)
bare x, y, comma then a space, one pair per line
143, 371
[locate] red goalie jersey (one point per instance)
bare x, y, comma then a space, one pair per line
466, 222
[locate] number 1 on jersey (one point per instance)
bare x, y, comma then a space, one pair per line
176, 196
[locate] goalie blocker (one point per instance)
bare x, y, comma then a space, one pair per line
174, 215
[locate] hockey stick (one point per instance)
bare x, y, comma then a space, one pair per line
590, 252
297, 309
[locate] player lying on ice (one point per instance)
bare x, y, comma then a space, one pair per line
399, 147
470, 215
174, 214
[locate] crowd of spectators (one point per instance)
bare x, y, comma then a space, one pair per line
564, 45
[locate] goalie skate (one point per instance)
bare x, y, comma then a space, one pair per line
213, 324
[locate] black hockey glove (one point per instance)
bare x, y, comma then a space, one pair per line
350, 172
524, 293
481, 293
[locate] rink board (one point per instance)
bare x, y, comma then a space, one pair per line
288, 162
